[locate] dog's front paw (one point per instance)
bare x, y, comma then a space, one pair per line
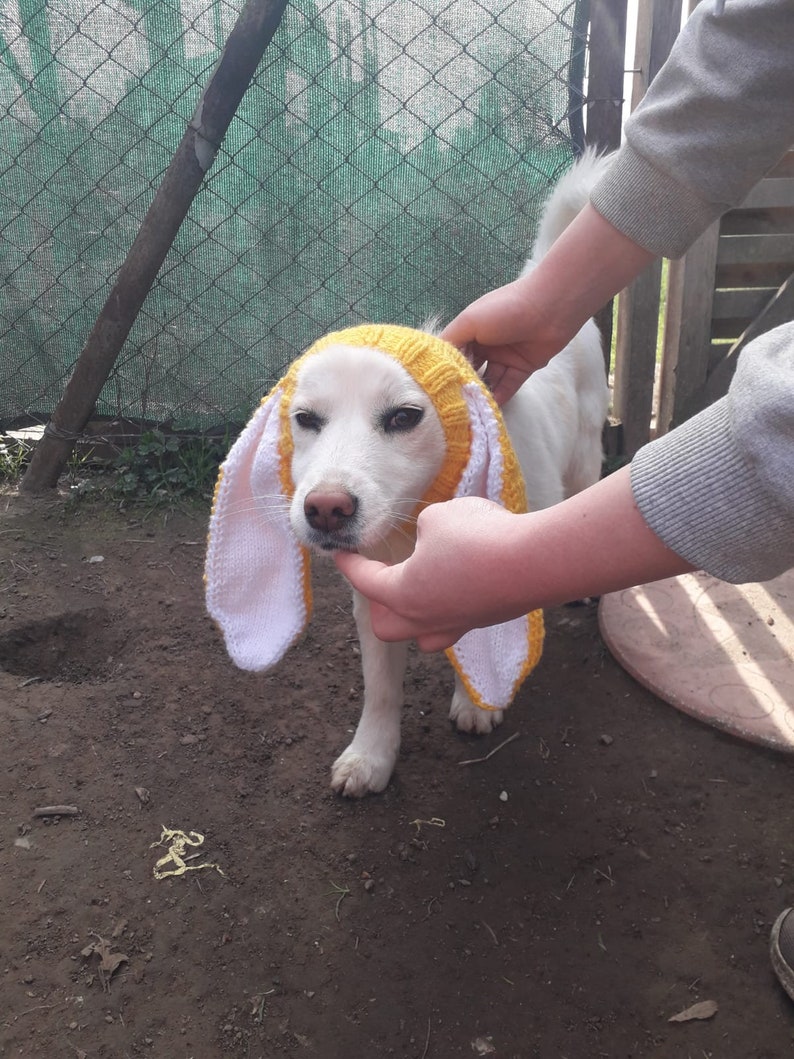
355, 774
470, 718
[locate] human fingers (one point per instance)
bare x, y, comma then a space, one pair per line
462, 332
438, 641
503, 381
365, 575
372, 579
503, 369
495, 346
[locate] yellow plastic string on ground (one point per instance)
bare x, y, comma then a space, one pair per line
434, 821
178, 842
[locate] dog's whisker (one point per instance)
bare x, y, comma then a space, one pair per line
247, 504
415, 503
398, 517
259, 496
263, 513
397, 528
404, 507
258, 509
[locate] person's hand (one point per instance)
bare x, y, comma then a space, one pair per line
518, 328
455, 580
476, 564
504, 330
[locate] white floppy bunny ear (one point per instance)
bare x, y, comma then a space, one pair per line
256, 574
493, 662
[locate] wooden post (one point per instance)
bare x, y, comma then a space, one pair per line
658, 23
605, 78
605, 102
687, 328
195, 154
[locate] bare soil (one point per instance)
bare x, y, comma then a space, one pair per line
611, 866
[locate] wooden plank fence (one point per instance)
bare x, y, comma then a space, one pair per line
735, 282
745, 287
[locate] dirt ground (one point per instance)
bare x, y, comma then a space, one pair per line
611, 866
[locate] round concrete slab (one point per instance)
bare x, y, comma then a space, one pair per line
721, 653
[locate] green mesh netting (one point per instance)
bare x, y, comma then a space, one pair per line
387, 163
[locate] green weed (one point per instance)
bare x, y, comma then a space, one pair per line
163, 467
13, 457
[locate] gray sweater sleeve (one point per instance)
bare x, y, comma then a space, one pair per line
719, 489
716, 118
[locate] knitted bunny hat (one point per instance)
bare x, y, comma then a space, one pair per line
257, 575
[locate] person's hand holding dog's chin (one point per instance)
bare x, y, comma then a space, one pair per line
476, 564
450, 584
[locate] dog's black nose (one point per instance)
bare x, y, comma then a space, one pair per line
329, 511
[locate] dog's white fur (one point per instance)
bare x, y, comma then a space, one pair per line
360, 465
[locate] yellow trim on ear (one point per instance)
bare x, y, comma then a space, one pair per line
216, 490
536, 632
213, 505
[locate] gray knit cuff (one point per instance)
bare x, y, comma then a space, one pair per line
699, 495
649, 206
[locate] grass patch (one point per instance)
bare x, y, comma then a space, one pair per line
13, 459
166, 467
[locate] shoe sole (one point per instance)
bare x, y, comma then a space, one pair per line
780, 965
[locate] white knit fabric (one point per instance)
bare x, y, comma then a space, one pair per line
255, 568
491, 661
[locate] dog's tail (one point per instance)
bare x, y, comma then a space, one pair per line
568, 197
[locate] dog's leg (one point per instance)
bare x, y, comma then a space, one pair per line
467, 716
365, 767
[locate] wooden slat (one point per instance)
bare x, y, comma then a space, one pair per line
750, 249
687, 328
641, 77
605, 73
722, 330
607, 48
752, 274
737, 304
717, 352
658, 25
772, 220
785, 167
635, 357
770, 193
779, 310
638, 307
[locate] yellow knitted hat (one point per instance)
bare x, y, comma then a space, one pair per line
257, 575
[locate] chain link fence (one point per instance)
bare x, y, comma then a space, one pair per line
387, 163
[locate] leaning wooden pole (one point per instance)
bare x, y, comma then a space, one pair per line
203, 136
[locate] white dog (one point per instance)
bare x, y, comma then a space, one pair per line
366, 442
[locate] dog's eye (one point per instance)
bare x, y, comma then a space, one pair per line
308, 421
405, 418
